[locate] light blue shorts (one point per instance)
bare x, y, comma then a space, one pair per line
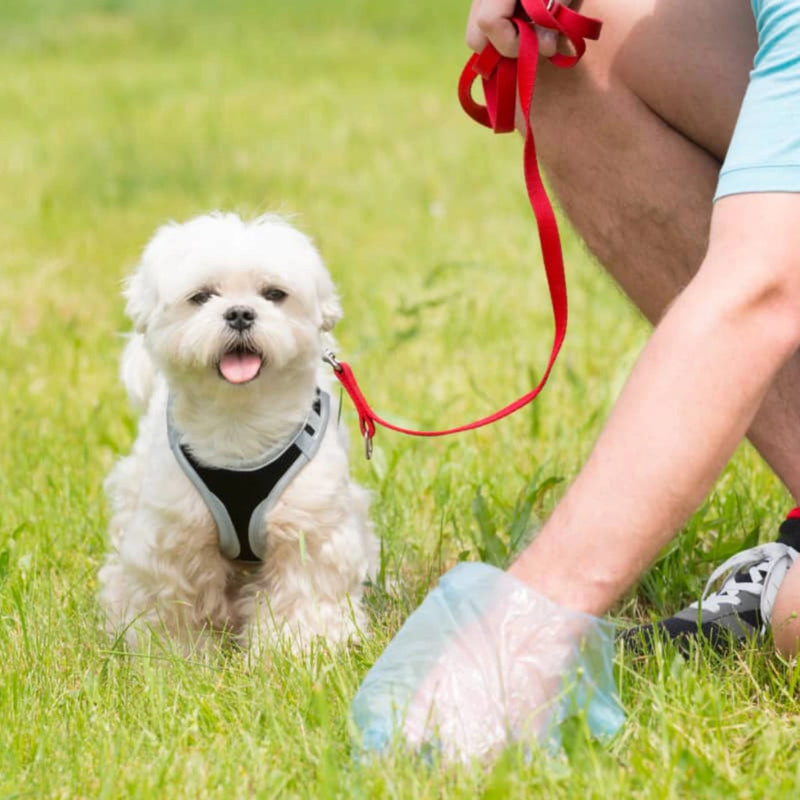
764, 154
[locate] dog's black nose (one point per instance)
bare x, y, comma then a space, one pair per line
240, 318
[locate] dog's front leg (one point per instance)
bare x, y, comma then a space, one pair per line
300, 597
170, 593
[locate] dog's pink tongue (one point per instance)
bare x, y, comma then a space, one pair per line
239, 367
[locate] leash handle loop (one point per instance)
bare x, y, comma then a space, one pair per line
499, 74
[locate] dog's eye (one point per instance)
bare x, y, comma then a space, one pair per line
274, 295
203, 296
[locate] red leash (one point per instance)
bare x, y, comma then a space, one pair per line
501, 78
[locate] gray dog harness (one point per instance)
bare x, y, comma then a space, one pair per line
240, 499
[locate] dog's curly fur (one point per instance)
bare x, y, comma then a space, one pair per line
165, 571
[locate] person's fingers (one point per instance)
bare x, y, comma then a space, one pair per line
548, 41
490, 21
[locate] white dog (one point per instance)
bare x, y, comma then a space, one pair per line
235, 510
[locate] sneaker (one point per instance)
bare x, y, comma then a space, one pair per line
741, 608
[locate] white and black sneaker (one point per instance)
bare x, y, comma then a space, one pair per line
740, 609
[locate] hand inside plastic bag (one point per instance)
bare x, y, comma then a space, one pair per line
483, 662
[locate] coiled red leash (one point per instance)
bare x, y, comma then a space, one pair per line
502, 78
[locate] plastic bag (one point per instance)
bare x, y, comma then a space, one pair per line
486, 661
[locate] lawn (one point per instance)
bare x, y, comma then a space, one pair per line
117, 115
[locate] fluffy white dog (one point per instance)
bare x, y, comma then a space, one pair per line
235, 510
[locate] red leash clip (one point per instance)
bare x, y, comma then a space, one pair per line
502, 79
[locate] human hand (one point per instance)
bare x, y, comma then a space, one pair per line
490, 21
483, 662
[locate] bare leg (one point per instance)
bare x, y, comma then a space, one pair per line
632, 141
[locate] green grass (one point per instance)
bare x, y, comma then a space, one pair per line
116, 115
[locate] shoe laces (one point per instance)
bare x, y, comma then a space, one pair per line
758, 571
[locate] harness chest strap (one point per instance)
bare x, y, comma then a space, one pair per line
240, 499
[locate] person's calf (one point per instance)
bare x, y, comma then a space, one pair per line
786, 614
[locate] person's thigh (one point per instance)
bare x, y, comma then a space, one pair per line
687, 61
632, 138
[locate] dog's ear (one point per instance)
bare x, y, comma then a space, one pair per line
141, 299
329, 305
141, 288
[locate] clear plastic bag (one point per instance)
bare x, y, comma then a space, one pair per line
486, 661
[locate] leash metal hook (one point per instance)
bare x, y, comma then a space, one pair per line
367, 425
329, 358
